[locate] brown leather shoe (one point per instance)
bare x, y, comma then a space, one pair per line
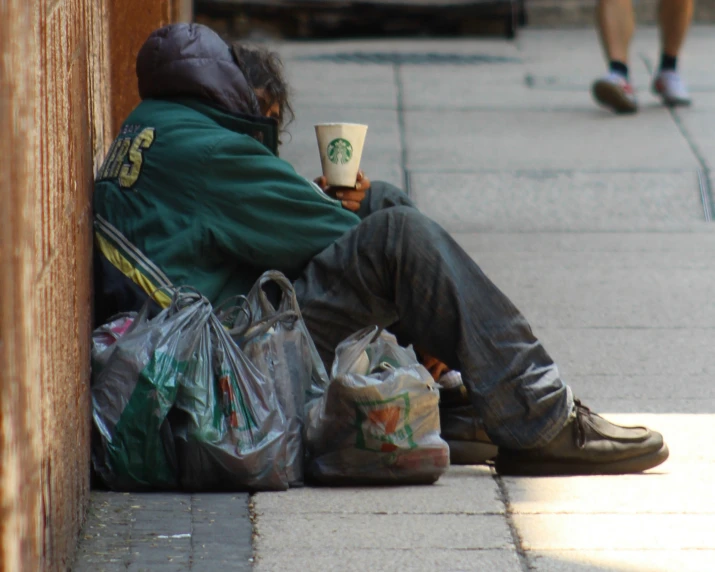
588, 445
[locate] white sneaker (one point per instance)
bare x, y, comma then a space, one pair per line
671, 88
614, 92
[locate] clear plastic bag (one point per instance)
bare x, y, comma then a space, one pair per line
177, 403
107, 334
134, 390
277, 342
230, 431
378, 422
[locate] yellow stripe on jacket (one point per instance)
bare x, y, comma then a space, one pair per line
119, 261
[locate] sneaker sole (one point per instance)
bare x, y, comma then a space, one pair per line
610, 96
673, 102
515, 467
470, 452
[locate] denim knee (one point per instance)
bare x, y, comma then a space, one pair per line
412, 221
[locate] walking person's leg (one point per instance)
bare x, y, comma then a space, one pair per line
400, 266
615, 21
674, 19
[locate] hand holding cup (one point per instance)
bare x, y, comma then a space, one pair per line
351, 197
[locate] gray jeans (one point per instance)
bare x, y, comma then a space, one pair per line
400, 270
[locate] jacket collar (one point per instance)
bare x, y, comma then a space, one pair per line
262, 129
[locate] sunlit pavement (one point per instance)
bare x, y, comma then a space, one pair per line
597, 226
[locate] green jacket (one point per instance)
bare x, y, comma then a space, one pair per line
192, 195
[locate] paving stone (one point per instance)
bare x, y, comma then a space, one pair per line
162, 532
616, 532
698, 124
703, 101
336, 85
462, 490
414, 560
700, 239
159, 565
607, 290
159, 523
506, 140
647, 405
100, 561
553, 201
465, 46
663, 491
622, 560
224, 554
324, 533
692, 394
617, 351
162, 560
503, 86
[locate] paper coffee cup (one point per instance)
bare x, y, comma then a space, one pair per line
340, 146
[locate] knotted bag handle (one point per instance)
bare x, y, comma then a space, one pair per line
288, 301
229, 315
287, 311
261, 327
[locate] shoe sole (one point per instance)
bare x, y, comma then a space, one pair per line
515, 467
673, 102
612, 97
470, 452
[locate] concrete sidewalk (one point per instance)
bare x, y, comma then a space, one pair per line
597, 226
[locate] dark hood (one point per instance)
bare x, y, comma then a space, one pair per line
191, 60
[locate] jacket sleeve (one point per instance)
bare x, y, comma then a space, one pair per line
262, 212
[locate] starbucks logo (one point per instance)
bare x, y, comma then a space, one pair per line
340, 151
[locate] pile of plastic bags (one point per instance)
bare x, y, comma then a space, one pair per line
236, 398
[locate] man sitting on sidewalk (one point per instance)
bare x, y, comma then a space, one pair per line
615, 21
193, 192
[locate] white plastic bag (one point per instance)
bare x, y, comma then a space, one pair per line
278, 344
378, 422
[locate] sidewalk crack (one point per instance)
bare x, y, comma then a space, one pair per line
397, 68
191, 531
509, 515
703, 172
253, 518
